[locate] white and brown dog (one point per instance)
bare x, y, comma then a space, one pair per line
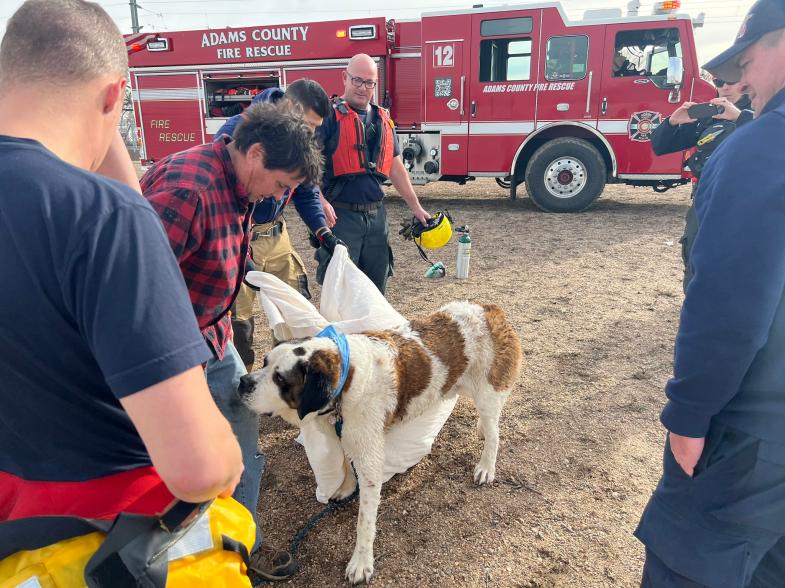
464, 348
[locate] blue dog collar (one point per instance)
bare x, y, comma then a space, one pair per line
340, 341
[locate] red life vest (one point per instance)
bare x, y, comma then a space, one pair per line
352, 155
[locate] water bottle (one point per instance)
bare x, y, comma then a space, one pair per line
464, 256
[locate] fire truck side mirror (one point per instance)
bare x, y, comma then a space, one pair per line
675, 75
675, 78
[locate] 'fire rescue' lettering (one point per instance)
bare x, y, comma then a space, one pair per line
159, 123
546, 87
293, 33
177, 137
268, 51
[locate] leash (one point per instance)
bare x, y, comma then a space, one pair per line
332, 506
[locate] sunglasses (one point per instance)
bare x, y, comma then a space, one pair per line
719, 83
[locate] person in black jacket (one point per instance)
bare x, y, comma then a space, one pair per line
679, 132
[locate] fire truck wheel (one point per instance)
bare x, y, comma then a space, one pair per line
565, 175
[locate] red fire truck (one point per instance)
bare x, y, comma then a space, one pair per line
520, 94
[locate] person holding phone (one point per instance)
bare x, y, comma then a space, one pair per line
687, 128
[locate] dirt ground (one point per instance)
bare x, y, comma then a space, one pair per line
595, 297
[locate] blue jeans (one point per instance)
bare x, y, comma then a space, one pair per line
223, 378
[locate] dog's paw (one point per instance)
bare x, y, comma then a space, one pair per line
360, 568
483, 474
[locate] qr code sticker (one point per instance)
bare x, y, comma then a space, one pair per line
442, 87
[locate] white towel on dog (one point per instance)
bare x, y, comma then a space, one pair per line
352, 303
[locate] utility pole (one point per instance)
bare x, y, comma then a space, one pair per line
134, 16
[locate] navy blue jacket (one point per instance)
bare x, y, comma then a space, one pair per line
729, 361
305, 198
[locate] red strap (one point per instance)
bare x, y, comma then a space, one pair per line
139, 491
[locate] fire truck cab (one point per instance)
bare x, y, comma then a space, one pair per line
520, 94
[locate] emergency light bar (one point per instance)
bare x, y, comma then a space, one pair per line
362, 32
666, 6
158, 44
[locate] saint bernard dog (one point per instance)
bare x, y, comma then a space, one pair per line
392, 376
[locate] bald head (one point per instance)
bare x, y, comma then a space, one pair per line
360, 80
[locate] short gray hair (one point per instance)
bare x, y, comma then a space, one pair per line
62, 42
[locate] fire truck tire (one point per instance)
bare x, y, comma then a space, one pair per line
565, 175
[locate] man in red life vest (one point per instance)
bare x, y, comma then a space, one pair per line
361, 152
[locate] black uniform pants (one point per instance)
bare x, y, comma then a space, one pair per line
724, 527
366, 234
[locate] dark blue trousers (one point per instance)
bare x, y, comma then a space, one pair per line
723, 527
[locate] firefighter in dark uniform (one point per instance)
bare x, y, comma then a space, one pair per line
717, 516
361, 152
679, 132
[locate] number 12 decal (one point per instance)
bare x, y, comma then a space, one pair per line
443, 56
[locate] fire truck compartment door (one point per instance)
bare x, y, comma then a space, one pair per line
171, 112
505, 50
569, 73
445, 83
447, 99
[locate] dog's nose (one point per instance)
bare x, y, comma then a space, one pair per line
247, 384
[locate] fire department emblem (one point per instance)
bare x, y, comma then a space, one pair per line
642, 124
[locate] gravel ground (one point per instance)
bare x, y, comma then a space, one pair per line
595, 297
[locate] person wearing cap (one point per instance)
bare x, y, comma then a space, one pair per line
717, 516
680, 131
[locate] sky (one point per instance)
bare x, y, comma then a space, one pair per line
723, 17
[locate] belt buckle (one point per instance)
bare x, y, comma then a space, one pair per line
268, 233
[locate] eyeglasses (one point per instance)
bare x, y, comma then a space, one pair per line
719, 83
357, 82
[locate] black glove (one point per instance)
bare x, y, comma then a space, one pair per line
314, 240
407, 227
328, 240
250, 266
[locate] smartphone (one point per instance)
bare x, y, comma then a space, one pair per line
704, 110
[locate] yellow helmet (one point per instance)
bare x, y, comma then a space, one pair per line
435, 234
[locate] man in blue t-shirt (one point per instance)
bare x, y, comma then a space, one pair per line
355, 171
104, 404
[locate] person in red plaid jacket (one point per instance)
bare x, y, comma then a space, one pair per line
204, 196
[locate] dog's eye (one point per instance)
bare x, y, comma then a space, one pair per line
264, 363
278, 379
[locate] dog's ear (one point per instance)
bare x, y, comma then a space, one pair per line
322, 373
